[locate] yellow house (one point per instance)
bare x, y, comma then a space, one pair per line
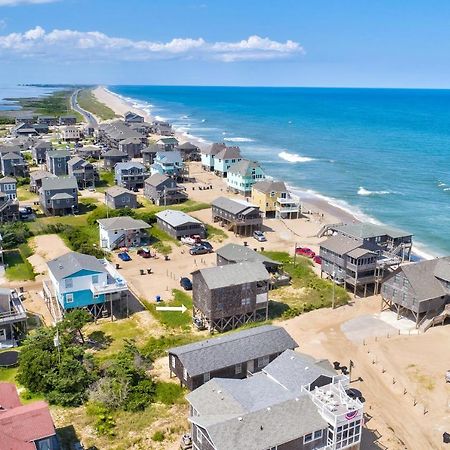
274, 200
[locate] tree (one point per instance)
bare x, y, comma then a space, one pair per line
75, 320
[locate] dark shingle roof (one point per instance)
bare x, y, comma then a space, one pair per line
58, 183
229, 153
239, 253
268, 186
235, 348
244, 167
232, 206
156, 179
115, 191
73, 262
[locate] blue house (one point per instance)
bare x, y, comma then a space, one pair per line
243, 175
225, 159
207, 155
78, 280
168, 163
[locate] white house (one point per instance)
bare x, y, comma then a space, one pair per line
123, 231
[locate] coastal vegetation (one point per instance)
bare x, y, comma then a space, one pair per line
18, 268
88, 102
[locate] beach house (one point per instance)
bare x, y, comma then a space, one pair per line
162, 128
207, 155
149, 154
132, 146
51, 121
275, 201
178, 224
243, 175
56, 162
67, 120
13, 165
168, 163
58, 196
9, 209
226, 297
77, 280
130, 175
167, 143
163, 190
131, 117
8, 186
39, 151
235, 355
25, 427
117, 197
294, 402
113, 157
225, 159
70, 133
25, 117
419, 290
122, 231
235, 215
36, 178
84, 171
189, 152
13, 318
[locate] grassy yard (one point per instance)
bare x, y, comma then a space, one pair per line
215, 234
106, 180
87, 101
8, 375
24, 194
161, 241
18, 268
306, 292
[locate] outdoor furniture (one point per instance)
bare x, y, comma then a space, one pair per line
149, 270
142, 271
117, 266
166, 257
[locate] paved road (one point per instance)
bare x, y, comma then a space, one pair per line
88, 117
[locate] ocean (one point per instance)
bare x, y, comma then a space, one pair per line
381, 154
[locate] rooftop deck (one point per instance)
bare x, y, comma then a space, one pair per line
17, 312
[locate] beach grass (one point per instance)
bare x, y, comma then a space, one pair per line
24, 194
17, 266
88, 102
215, 234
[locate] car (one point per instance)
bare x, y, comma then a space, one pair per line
191, 240
186, 283
317, 259
124, 256
305, 251
186, 442
144, 252
259, 236
207, 245
199, 250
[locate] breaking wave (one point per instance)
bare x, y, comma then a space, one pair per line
294, 158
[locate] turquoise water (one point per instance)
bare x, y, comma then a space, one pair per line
383, 154
16, 91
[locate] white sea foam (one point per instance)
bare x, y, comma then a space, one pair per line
446, 189
440, 184
294, 158
238, 139
365, 192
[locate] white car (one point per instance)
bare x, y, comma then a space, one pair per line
190, 240
259, 236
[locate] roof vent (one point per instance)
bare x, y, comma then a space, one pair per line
262, 428
240, 419
269, 408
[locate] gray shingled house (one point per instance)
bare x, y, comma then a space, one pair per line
13, 318
56, 162
8, 186
295, 403
113, 157
132, 146
189, 151
149, 154
119, 197
48, 120
226, 297
236, 355
130, 175
67, 120
83, 171
13, 165
9, 209
420, 290
58, 196
163, 190
39, 151
238, 216
131, 117
178, 224
36, 178
167, 144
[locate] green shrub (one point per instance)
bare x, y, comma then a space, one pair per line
104, 420
158, 436
169, 393
14, 234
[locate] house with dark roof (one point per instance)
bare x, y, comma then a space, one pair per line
131, 117
132, 146
25, 427
235, 355
122, 231
58, 196
207, 155
36, 178
117, 197
25, 117
162, 128
56, 162
420, 290
225, 159
178, 224
77, 280
163, 190
149, 154
84, 171
166, 144
13, 318
8, 186
130, 175
39, 151
168, 163
295, 402
226, 297
67, 120
243, 175
13, 165
275, 200
189, 151
24, 130
47, 120
113, 157
235, 215
88, 151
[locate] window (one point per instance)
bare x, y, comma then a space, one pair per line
307, 438
245, 301
206, 377
318, 435
68, 282
185, 374
69, 298
262, 362
94, 279
238, 369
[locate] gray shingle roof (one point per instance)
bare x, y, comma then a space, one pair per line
176, 218
11, 156
235, 348
239, 253
170, 157
123, 223
188, 146
156, 179
129, 165
130, 140
268, 186
62, 196
232, 206
152, 148
58, 183
229, 153
43, 144
40, 174
244, 167
73, 262
214, 148
58, 154
370, 230
115, 191
234, 274
114, 153
7, 180
341, 244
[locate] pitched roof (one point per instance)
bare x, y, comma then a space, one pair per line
58, 154
244, 167
235, 348
234, 206
8, 180
122, 223
114, 153
57, 183
74, 160
156, 179
130, 140
268, 186
62, 196
171, 157
214, 148
40, 174
234, 274
229, 153
186, 146
43, 144
239, 253
341, 244
176, 218
129, 165
367, 230
9, 398
73, 262
11, 156
115, 191
152, 148
168, 140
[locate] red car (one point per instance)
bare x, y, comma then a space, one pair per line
317, 259
305, 251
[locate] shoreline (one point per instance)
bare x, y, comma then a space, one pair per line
322, 208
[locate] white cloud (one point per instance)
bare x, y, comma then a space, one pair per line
72, 45
24, 2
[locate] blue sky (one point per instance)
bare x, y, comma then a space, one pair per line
358, 43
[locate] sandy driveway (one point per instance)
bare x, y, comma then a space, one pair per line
46, 247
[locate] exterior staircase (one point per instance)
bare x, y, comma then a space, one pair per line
437, 319
324, 230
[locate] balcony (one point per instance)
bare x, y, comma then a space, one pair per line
17, 312
115, 282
